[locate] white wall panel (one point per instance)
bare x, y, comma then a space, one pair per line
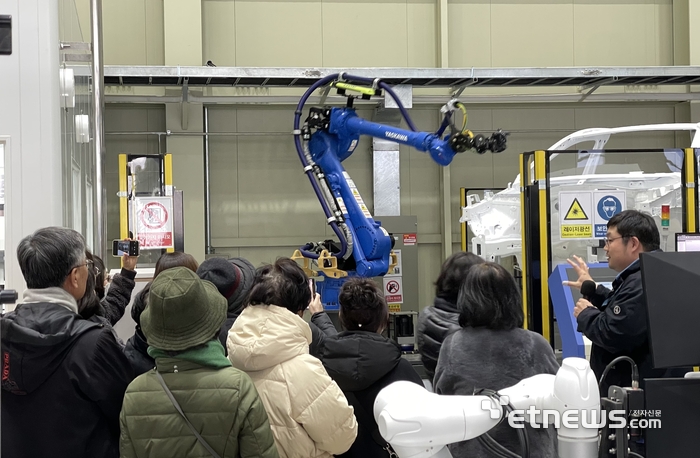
623, 33
278, 33
422, 39
532, 34
218, 32
469, 31
365, 33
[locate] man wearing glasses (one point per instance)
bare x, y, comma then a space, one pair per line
63, 377
615, 320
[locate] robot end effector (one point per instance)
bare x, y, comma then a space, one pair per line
420, 424
463, 139
462, 142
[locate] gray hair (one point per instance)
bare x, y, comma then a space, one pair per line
48, 255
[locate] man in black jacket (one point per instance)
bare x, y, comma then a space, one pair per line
63, 377
616, 320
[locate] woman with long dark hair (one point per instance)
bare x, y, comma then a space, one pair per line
491, 350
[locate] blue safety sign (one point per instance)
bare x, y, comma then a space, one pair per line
608, 204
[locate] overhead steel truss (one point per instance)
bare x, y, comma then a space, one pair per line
457, 78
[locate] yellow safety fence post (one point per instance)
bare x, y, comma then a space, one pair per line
541, 180
691, 204
123, 198
690, 180
168, 177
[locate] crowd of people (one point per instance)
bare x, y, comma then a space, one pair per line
222, 363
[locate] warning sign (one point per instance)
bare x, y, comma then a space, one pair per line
574, 231
356, 195
154, 215
576, 212
393, 290
575, 215
154, 223
394, 307
585, 214
341, 203
409, 239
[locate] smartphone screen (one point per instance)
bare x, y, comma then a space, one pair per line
122, 247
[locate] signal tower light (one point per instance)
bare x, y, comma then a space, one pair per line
665, 216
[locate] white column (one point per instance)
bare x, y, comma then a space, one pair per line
694, 51
30, 126
183, 46
445, 177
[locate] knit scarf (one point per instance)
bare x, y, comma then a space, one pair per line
210, 354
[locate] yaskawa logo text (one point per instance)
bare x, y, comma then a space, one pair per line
395, 136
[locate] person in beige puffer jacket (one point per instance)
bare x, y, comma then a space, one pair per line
309, 415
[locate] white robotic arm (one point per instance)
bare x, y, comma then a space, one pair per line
420, 424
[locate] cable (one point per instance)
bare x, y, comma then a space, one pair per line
403, 111
465, 117
490, 444
522, 432
635, 371
445, 124
309, 172
634, 454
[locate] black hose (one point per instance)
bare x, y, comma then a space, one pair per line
635, 371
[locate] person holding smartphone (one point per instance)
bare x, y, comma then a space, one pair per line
109, 301
269, 340
321, 325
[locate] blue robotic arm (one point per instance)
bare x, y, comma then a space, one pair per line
328, 137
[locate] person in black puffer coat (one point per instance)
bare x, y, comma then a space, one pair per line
233, 278
136, 349
491, 350
362, 361
438, 321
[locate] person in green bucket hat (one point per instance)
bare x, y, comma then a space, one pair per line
193, 403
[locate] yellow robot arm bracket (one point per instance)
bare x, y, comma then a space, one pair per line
333, 270
306, 267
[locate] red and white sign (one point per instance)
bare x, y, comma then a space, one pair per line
154, 222
409, 239
393, 290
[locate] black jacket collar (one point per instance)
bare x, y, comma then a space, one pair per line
622, 276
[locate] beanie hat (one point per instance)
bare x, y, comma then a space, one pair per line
233, 278
183, 311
